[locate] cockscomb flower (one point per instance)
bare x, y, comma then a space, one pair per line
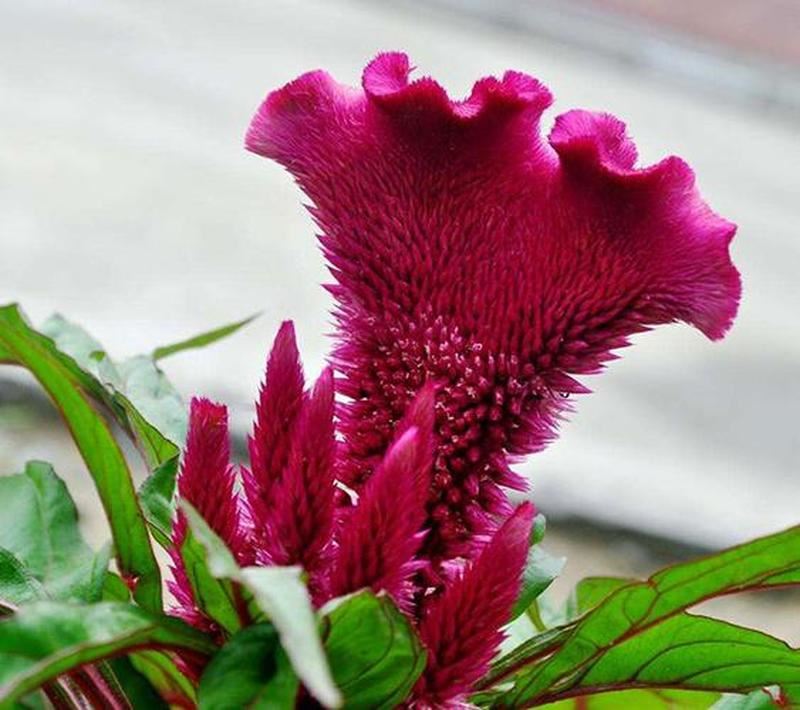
462, 628
471, 252
277, 409
379, 538
206, 480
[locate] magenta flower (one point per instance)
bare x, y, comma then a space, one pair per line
277, 410
206, 480
472, 253
461, 628
381, 535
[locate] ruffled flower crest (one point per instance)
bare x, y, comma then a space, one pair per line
470, 252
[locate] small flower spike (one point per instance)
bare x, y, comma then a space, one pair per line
301, 513
380, 537
206, 480
462, 627
279, 403
471, 252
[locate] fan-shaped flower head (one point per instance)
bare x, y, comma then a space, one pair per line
470, 251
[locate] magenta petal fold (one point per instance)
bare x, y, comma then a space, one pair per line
470, 251
462, 628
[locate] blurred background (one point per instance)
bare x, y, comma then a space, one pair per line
128, 204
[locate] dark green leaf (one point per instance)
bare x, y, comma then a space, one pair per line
40, 527
137, 689
45, 639
374, 653
642, 610
240, 670
280, 691
200, 341
98, 448
282, 595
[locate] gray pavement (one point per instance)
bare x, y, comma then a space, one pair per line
128, 204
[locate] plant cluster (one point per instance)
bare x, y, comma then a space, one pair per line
367, 555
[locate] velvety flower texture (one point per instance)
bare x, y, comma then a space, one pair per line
288, 515
471, 253
206, 480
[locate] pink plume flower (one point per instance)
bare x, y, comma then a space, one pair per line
300, 521
380, 537
461, 628
279, 403
470, 251
206, 480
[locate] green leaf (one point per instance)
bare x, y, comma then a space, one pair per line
162, 673
240, 670
40, 527
541, 569
282, 595
211, 570
156, 496
590, 592
200, 341
374, 654
635, 616
214, 594
114, 589
639, 700
123, 388
45, 639
138, 690
280, 691
148, 390
98, 447
17, 584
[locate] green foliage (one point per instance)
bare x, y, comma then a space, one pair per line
374, 653
160, 670
45, 639
56, 372
203, 339
41, 532
156, 496
17, 584
134, 392
238, 674
627, 636
540, 571
639, 699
